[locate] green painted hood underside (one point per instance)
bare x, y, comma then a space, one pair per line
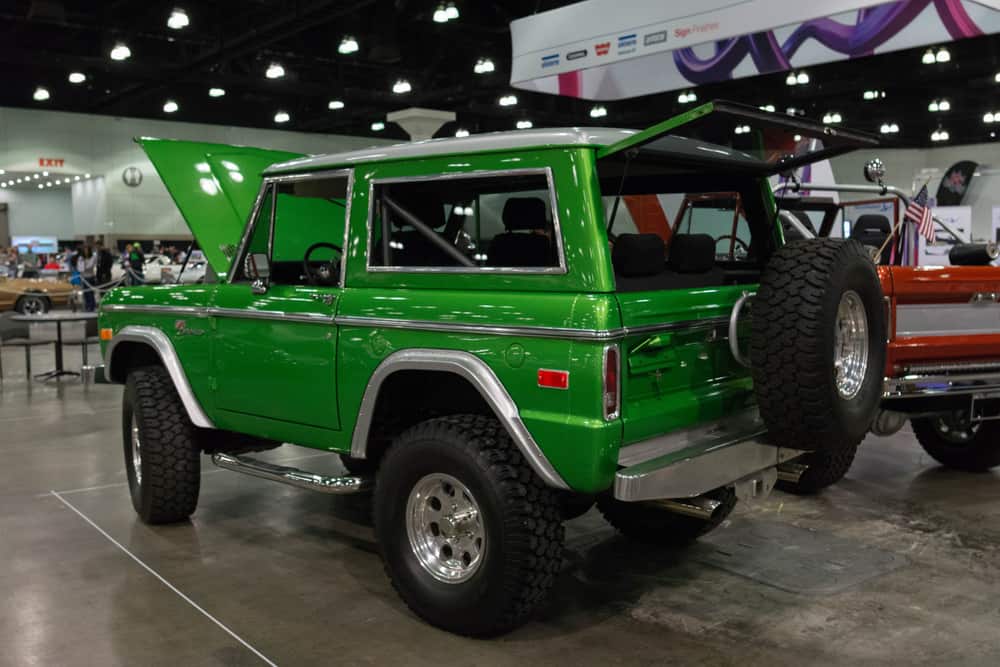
214, 186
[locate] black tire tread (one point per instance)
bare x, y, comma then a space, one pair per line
787, 356
825, 469
169, 447
980, 454
532, 525
647, 523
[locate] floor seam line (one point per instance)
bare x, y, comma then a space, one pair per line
162, 580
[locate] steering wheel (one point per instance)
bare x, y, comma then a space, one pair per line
328, 272
736, 241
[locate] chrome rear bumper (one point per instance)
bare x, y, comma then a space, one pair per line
938, 381
699, 468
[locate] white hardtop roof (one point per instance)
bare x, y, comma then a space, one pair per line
493, 141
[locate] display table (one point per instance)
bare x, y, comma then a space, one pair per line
58, 318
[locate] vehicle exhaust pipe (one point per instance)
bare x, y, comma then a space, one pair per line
700, 507
344, 485
791, 472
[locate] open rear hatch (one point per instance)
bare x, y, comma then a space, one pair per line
214, 186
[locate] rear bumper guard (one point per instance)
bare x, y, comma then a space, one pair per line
698, 469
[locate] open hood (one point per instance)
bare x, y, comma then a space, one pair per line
751, 139
214, 186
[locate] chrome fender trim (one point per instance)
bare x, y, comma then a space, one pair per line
473, 369
159, 341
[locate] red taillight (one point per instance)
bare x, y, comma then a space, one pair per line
553, 379
612, 386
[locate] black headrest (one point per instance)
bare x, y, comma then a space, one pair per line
524, 213
428, 210
871, 223
638, 255
692, 253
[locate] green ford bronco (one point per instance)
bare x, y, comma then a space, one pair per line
496, 332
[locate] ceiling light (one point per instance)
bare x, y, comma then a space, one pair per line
933, 106
334, 105
2, 172
940, 135
996, 77
178, 19
524, 124
942, 56
170, 106
120, 52
598, 111
790, 79
401, 86
378, 126
989, 117
742, 129
791, 111
767, 107
274, 71
687, 97
944, 105
19, 180
216, 92
508, 100
77, 77
801, 78
889, 128
35, 177
49, 184
348, 45
832, 117
41, 187
440, 14
452, 11
282, 117
928, 57
461, 132
45, 173
86, 175
485, 66
76, 178
41, 94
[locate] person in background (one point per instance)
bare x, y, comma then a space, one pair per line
137, 262
104, 263
86, 262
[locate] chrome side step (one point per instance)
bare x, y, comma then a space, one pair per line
292, 476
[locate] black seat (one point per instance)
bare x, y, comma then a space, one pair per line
413, 248
528, 239
18, 334
873, 230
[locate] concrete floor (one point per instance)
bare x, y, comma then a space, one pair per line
266, 573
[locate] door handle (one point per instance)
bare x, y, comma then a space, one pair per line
325, 298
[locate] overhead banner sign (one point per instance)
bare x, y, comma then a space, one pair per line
609, 49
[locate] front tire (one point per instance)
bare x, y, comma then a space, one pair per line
954, 441
161, 451
471, 538
652, 524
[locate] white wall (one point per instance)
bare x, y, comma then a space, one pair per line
103, 146
40, 212
909, 168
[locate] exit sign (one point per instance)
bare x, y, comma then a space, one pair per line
51, 162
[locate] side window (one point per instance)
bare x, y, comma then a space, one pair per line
259, 236
309, 220
470, 223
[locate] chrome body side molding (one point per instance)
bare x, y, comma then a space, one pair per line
159, 341
480, 375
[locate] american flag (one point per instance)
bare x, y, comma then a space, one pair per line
919, 214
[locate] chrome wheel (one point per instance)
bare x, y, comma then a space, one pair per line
956, 427
445, 528
136, 452
32, 305
850, 346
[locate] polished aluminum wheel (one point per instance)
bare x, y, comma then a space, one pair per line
850, 351
136, 452
445, 528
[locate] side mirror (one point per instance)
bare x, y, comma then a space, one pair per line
257, 268
874, 171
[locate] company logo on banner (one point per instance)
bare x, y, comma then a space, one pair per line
607, 49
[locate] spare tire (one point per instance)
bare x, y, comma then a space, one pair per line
817, 344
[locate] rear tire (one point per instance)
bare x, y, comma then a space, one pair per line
471, 538
956, 443
824, 469
652, 524
817, 345
162, 459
